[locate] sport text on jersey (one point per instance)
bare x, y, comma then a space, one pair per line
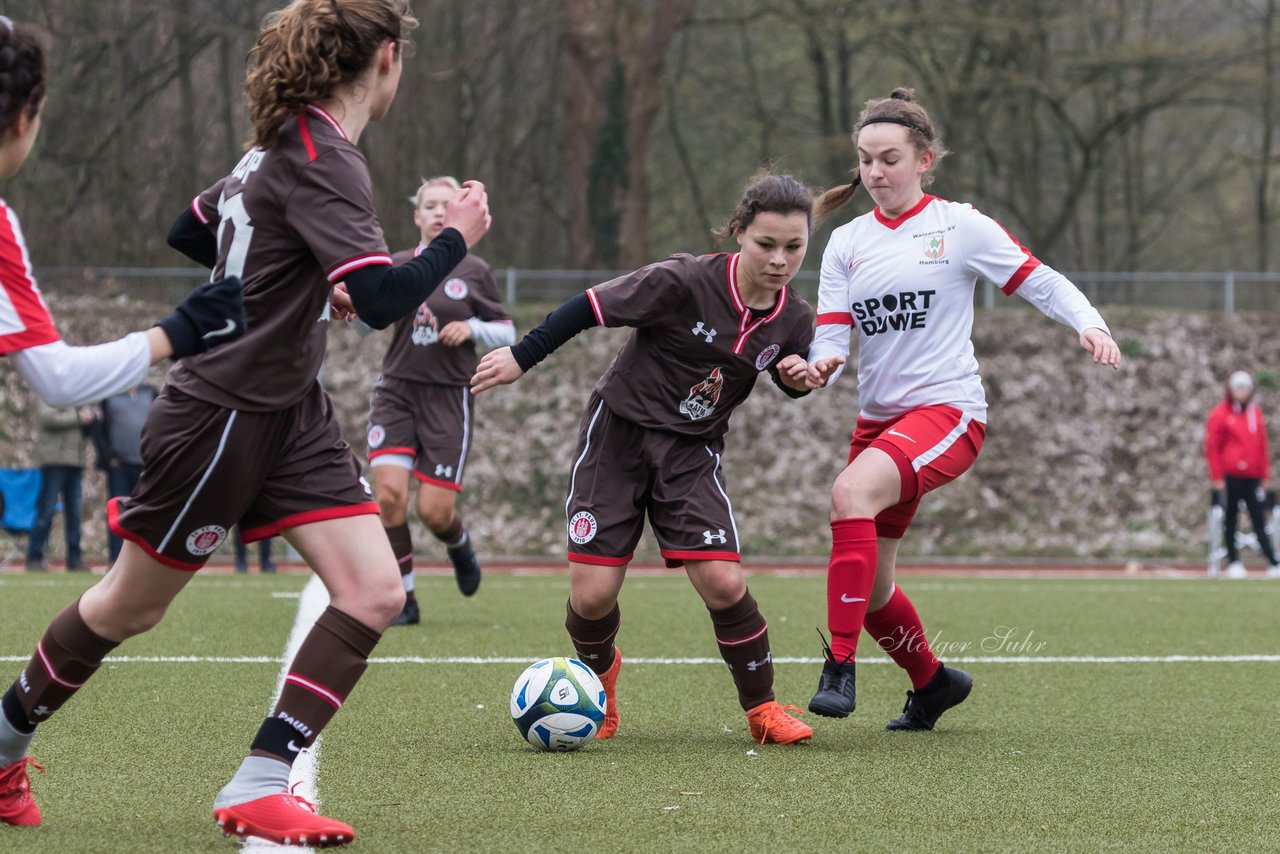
893, 312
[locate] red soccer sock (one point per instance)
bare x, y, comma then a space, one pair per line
898, 630
849, 580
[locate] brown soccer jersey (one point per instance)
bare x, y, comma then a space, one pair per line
697, 349
291, 222
415, 353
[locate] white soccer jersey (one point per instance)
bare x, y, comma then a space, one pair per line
906, 286
24, 318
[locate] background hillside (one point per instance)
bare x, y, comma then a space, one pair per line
1079, 462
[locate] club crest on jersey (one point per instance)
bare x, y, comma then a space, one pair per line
934, 246
426, 327
203, 541
767, 355
377, 435
583, 527
455, 289
703, 397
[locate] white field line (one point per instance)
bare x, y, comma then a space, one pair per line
302, 779
470, 659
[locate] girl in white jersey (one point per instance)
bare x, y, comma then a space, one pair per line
902, 279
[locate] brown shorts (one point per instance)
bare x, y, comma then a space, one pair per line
206, 468
621, 471
430, 423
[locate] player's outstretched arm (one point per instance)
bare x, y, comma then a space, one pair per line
1101, 346
63, 375
508, 364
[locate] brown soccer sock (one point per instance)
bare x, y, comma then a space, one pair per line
743, 637
65, 658
452, 535
593, 639
402, 547
326, 668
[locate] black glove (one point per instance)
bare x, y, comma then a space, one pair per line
212, 315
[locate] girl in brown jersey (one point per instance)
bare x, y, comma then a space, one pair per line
244, 433
651, 438
420, 417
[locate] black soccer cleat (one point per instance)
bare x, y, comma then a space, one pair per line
410, 616
946, 689
837, 694
466, 568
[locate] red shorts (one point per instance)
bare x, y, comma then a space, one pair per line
932, 445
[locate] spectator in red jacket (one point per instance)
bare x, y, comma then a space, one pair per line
1240, 467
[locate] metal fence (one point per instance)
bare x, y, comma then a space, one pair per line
1217, 291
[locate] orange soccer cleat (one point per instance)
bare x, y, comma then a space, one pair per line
609, 679
770, 724
283, 819
16, 804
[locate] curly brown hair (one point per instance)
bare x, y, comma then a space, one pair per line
22, 80
307, 49
901, 107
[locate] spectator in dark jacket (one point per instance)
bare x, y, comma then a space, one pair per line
118, 438
61, 453
1240, 467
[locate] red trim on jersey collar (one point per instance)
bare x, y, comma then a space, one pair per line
746, 325
322, 113
899, 220
305, 133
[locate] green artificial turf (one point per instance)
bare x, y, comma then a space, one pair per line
1079, 756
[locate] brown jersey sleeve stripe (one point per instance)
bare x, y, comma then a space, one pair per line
595, 306
342, 268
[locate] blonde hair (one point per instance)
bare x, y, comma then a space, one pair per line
307, 49
438, 181
900, 108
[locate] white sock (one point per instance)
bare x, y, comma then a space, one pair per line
13, 744
257, 777
407, 581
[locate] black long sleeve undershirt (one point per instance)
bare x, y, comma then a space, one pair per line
383, 295
574, 316
786, 389
194, 239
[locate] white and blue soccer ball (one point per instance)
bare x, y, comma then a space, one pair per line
558, 704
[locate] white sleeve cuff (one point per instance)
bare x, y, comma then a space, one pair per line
492, 333
63, 375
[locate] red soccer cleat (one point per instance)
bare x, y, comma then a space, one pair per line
770, 724
609, 679
283, 819
16, 804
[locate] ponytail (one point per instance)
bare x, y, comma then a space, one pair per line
309, 48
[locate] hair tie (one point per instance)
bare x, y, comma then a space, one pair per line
906, 123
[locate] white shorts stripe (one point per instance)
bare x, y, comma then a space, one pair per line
737, 546
942, 447
222, 443
586, 446
466, 434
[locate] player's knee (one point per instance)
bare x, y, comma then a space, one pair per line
135, 620
437, 517
391, 504
384, 603
592, 604
853, 498
723, 589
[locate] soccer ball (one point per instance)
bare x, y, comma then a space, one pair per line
558, 704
